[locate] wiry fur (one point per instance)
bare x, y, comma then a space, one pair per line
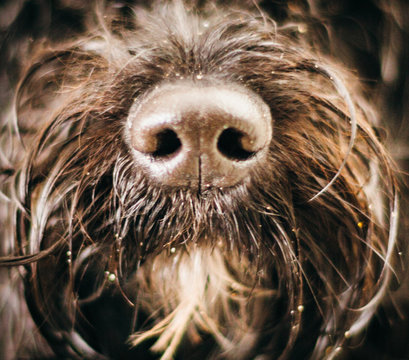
290, 263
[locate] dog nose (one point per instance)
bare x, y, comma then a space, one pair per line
185, 135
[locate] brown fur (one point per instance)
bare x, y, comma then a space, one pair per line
290, 263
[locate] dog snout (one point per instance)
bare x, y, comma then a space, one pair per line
185, 135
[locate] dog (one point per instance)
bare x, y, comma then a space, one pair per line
190, 180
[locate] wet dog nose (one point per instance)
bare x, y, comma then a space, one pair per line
185, 135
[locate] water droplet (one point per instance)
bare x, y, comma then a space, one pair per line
302, 28
111, 277
199, 76
172, 250
300, 308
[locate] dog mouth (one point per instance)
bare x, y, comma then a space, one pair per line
226, 219
200, 266
205, 269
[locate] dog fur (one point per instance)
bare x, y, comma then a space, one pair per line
102, 261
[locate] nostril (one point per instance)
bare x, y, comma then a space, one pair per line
233, 143
167, 144
199, 135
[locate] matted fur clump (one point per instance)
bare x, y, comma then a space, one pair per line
289, 263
